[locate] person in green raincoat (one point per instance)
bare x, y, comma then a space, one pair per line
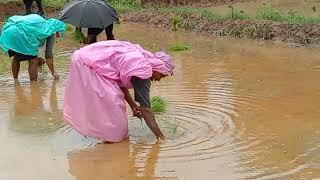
22, 37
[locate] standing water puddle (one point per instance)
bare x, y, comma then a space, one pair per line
236, 109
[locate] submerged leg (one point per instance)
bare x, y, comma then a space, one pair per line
15, 67
109, 33
33, 69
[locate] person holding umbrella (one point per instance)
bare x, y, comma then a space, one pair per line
28, 4
94, 32
96, 15
21, 38
97, 88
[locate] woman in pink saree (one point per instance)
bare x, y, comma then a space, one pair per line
98, 83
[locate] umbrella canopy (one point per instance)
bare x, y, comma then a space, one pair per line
89, 14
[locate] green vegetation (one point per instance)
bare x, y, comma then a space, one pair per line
51, 3
158, 104
176, 23
70, 28
5, 64
268, 13
79, 36
125, 5
179, 47
237, 14
265, 12
169, 123
190, 18
175, 127
254, 31
209, 15
55, 3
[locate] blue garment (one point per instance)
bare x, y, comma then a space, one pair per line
25, 34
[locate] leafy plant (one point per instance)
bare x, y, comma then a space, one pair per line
176, 23
179, 47
158, 104
79, 36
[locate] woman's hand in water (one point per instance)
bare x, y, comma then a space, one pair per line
151, 122
56, 76
161, 139
136, 110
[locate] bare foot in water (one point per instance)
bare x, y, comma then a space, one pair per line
107, 142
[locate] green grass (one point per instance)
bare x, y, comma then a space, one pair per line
79, 36
209, 15
159, 104
182, 11
55, 3
265, 12
268, 13
237, 14
188, 11
125, 5
70, 28
170, 124
51, 3
176, 23
179, 47
5, 64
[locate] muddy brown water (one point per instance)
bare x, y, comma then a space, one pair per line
237, 109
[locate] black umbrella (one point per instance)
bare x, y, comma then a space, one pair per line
89, 14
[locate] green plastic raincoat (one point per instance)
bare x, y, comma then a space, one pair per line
26, 34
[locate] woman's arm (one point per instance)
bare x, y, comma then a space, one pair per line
49, 55
149, 118
142, 95
135, 108
127, 96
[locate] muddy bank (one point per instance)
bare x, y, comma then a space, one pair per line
250, 28
18, 8
198, 3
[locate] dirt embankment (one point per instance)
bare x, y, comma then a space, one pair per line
18, 8
198, 3
251, 28
254, 29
